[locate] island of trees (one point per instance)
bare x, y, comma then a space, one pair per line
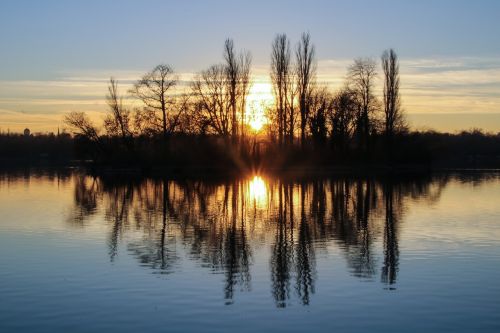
206, 124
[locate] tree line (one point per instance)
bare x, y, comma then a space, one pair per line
206, 122
215, 101
213, 105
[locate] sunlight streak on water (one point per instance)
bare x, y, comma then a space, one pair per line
257, 190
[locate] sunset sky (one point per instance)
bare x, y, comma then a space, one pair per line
56, 56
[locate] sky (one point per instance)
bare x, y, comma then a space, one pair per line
56, 56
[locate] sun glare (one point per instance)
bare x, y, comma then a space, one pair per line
257, 123
257, 189
259, 98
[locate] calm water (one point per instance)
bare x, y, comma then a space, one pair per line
84, 254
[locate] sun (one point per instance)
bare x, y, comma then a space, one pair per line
256, 123
259, 98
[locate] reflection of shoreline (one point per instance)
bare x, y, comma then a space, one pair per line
218, 224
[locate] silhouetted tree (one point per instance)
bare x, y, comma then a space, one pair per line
232, 71
221, 93
394, 121
83, 126
213, 98
306, 71
361, 75
117, 122
244, 83
238, 82
280, 78
154, 90
343, 117
319, 105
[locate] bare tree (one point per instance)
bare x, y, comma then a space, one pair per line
319, 105
244, 84
394, 121
148, 123
343, 116
232, 72
220, 94
361, 75
306, 70
191, 121
82, 125
291, 89
154, 91
117, 122
238, 82
280, 71
213, 99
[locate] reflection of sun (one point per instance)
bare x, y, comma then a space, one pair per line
257, 189
259, 98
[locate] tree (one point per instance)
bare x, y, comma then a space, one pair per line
238, 82
343, 116
361, 75
394, 120
83, 126
291, 89
221, 93
148, 123
232, 72
280, 73
319, 105
306, 70
213, 99
154, 91
117, 122
244, 80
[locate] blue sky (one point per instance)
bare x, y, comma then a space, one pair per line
47, 44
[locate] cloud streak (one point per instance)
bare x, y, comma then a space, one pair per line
438, 85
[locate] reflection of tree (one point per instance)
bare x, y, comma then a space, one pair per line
206, 218
305, 250
86, 196
391, 251
352, 205
236, 250
118, 214
157, 249
8, 175
218, 224
361, 259
290, 258
282, 252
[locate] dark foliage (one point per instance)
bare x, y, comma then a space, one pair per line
28, 149
194, 153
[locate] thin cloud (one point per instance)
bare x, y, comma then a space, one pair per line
444, 85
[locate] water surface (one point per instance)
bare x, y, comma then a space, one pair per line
87, 254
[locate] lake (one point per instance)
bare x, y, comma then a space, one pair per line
81, 253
